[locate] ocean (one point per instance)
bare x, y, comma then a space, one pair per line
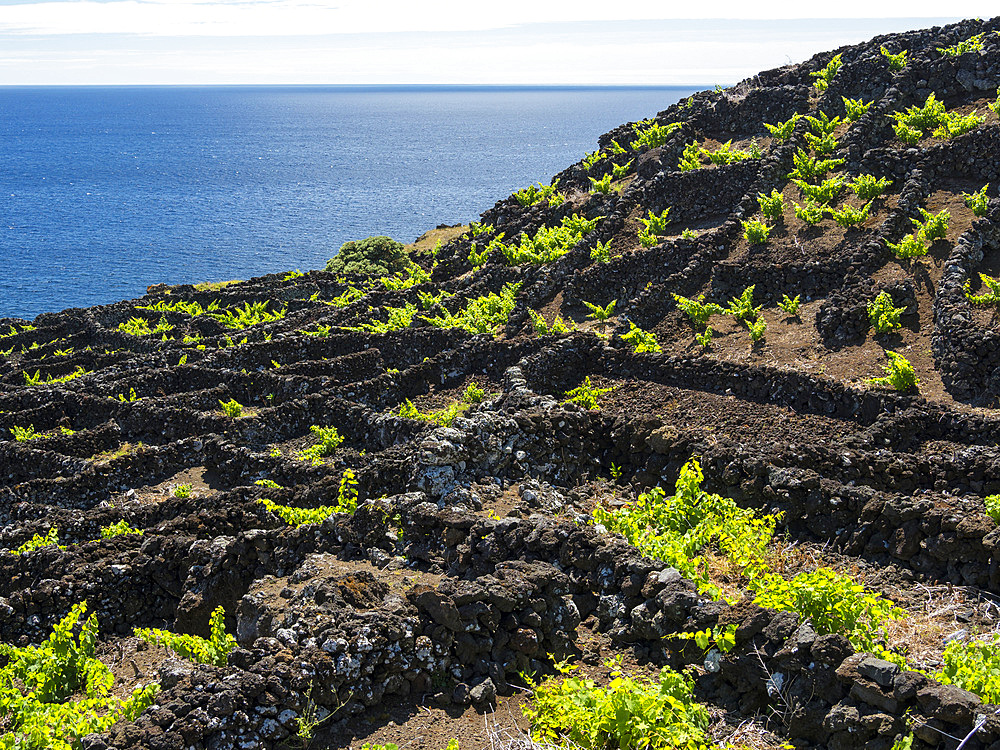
104, 191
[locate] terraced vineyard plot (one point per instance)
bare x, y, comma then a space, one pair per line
677, 424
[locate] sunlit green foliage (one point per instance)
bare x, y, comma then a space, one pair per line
810, 212
899, 374
855, 108
372, 257
642, 341
883, 315
698, 310
755, 232
397, 318
251, 314
652, 134
122, 528
896, 61
990, 297
483, 314
213, 650
548, 243
810, 169
328, 439
654, 226
771, 206
972, 44
824, 76
850, 216
585, 394
977, 201
866, 187
532, 194
347, 504
783, 130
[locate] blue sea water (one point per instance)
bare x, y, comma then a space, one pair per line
104, 191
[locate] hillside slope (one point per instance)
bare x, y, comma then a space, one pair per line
858, 512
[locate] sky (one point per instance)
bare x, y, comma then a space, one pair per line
513, 42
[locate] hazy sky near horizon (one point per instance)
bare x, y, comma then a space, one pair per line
570, 42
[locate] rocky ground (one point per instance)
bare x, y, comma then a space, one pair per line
471, 556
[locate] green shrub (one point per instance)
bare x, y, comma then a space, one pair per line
866, 187
822, 145
328, 439
977, 201
809, 168
811, 212
232, 408
544, 329
783, 130
955, 125
726, 154
824, 76
601, 252
757, 328
934, 226
972, 44
899, 374
585, 394
121, 528
24, 434
849, 216
973, 666
631, 712
251, 314
789, 305
991, 297
641, 341
548, 243
741, 308
755, 232
697, 310
690, 158
771, 206
855, 108
655, 225
372, 257
397, 318
882, 315
350, 295
531, 195
911, 246
347, 504
652, 134
446, 416
822, 124
911, 124
38, 541
992, 503
601, 314
37, 682
411, 276
481, 315
832, 602
909, 136
429, 301
141, 327
826, 192
620, 170
705, 338
183, 491
896, 61
602, 185
213, 650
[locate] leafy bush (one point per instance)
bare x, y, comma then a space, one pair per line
822, 124
37, 681
350, 295
811, 212
51, 379
642, 341
251, 314
849, 216
899, 374
372, 257
809, 168
328, 439
822, 145
977, 201
397, 318
655, 225
548, 243
653, 135
121, 528
705, 338
631, 712
882, 314
934, 226
483, 314
912, 246
756, 232
690, 158
232, 408
446, 416
832, 602
855, 108
677, 528
726, 154
531, 195
866, 187
24, 434
697, 310
212, 650
140, 327
602, 185
991, 297
911, 124
896, 61
992, 503
772, 206
411, 276
544, 329
909, 136
757, 328
824, 193
601, 314
742, 307
973, 666
824, 76
183, 491
620, 170
192, 308
789, 305
585, 394
955, 125
972, 44
347, 503
783, 130
38, 541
